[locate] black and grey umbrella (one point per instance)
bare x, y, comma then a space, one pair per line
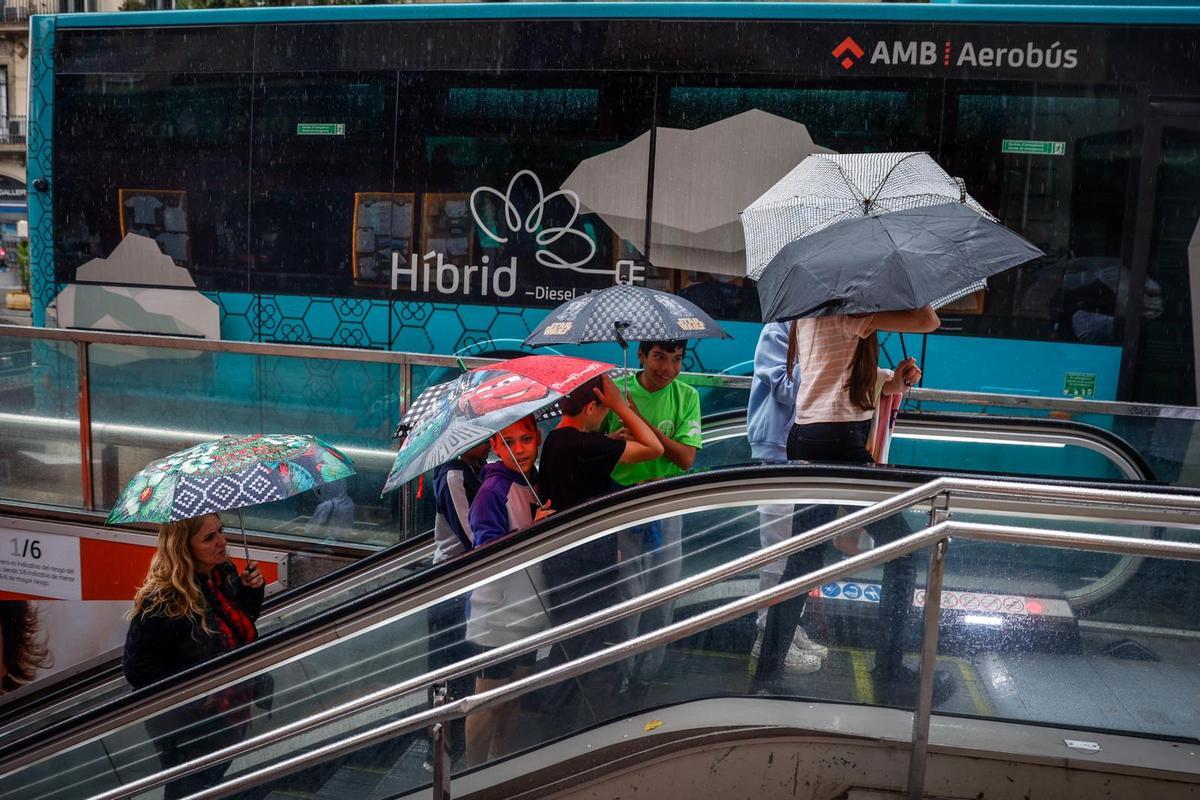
888, 262
621, 314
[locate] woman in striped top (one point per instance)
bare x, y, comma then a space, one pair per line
839, 365
839, 388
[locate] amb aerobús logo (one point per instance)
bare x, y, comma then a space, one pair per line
890, 52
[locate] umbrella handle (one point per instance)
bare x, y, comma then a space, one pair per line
618, 330
242, 525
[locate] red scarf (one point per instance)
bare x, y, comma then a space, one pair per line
235, 628
233, 625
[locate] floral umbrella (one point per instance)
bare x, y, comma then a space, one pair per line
228, 473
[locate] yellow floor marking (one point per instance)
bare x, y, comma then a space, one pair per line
864, 687
983, 706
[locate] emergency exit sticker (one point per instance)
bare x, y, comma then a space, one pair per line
1079, 384
1033, 147
40, 565
320, 129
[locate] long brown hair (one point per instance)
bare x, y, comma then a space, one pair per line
863, 372
793, 343
24, 651
170, 588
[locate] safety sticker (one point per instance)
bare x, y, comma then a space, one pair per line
953, 600
850, 590
1011, 604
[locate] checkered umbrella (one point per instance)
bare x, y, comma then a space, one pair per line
450, 418
825, 189
623, 313
228, 473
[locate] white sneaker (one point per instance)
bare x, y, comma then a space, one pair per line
800, 661
796, 659
804, 644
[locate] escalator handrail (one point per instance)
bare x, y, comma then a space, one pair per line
675, 631
581, 522
1065, 427
21, 707
947, 487
111, 672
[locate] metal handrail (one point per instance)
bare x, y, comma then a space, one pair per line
937, 534
1185, 504
984, 429
916, 394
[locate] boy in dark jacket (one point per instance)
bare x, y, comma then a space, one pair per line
577, 465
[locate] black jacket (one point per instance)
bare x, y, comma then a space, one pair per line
157, 646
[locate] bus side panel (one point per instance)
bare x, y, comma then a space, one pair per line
1018, 366
40, 166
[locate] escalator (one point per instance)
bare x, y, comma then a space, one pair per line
382, 640
979, 440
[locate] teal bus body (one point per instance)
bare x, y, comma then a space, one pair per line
233, 116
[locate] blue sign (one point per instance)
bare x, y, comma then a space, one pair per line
831, 590
871, 593
852, 591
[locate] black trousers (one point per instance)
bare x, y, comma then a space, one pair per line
838, 442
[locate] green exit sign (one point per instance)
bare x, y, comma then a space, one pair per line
1033, 147
320, 129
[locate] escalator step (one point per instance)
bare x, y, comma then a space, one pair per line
349, 781
407, 773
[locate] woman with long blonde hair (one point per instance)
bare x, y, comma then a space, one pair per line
193, 606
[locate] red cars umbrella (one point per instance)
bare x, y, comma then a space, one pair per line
450, 418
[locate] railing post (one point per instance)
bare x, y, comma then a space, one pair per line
939, 512
440, 752
85, 424
110, 473
407, 494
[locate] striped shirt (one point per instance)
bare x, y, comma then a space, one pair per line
825, 349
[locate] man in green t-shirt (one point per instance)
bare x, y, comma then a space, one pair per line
651, 554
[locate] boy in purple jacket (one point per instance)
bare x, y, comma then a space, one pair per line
510, 607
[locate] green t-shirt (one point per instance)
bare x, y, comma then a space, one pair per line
675, 411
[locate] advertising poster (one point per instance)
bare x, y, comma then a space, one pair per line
64, 596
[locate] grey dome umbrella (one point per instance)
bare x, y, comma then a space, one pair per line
622, 313
892, 261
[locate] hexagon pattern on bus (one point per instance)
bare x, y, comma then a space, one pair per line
41, 245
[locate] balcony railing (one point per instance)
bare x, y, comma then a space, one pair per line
21, 10
13, 130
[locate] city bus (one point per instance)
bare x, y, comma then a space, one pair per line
434, 178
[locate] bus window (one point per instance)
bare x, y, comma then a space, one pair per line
513, 206
1056, 170
164, 154
730, 143
320, 141
1165, 370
